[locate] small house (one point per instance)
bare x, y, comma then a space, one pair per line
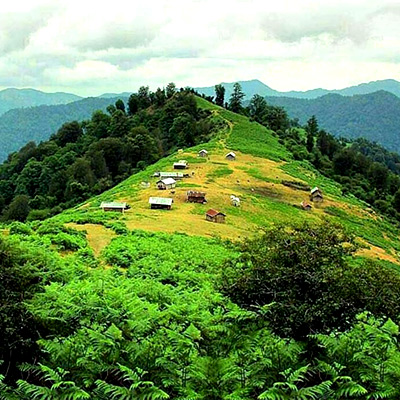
166, 183
174, 175
306, 206
316, 195
113, 206
196, 197
181, 164
231, 156
203, 153
215, 216
157, 203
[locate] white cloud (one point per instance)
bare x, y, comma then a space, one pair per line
90, 47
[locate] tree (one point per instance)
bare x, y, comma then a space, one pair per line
18, 209
170, 90
258, 108
120, 105
312, 132
235, 101
143, 97
219, 95
133, 104
70, 132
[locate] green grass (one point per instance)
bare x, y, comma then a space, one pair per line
219, 173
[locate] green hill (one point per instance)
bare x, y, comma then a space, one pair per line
372, 116
162, 304
22, 125
18, 98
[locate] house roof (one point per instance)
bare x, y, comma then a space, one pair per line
169, 174
164, 201
167, 181
213, 213
231, 154
305, 204
316, 189
203, 151
193, 193
182, 163
112, 204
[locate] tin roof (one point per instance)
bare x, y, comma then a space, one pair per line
203, 151
213, 213
112, 204
169, 174
192, 193
161, 201
316, 189
182, 163
231, 154
167, 181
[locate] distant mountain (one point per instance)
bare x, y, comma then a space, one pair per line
257, 87
112, 95
17, 98
250, 88
22, 125
374, 116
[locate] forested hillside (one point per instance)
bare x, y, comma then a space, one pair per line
276, 303
83, 159
23, 125
375, 116
17, 98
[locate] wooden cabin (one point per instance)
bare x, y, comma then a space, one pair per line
181, 164
167, 183
215, 216
316, 195
231, 156
196, 197
163, 203
306, 206
173, 175
203, 153
113, 206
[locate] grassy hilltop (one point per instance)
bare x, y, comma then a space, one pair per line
255, 176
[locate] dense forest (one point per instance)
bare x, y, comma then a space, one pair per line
84, 159
372, 116
22, 125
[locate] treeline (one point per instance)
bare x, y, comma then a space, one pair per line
365, 169
84, 159
274, 318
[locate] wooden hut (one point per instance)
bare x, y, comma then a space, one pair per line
306, 206
157, 203
215, 216
231, 156
196, 197
181, 164
316, 195
113, 206
203, 153
167, 183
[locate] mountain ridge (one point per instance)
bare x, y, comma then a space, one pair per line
248, 87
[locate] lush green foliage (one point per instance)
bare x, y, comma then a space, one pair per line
372, 116
83, 159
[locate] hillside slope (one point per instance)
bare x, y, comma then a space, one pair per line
375, 116
22, 125
17, 98
255, 177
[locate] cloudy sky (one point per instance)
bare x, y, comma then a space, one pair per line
91, 47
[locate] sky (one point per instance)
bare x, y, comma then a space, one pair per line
93, 47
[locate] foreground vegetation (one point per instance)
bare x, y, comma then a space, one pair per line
157, 321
